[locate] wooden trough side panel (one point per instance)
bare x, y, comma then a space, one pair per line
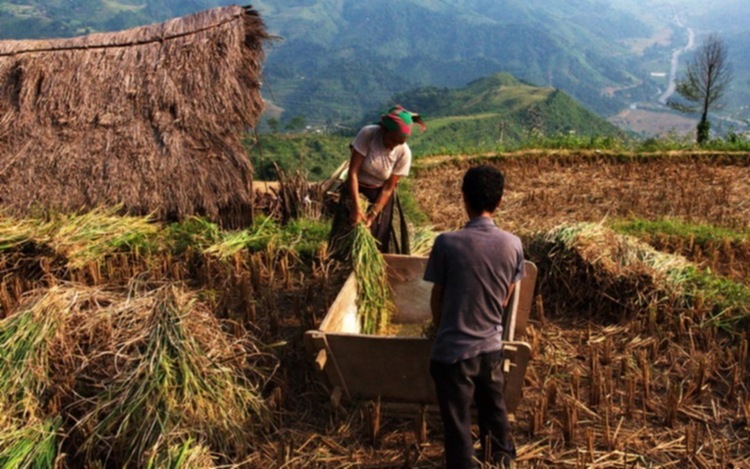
396, 369
391, 368
525, 299
342, 315
411, 294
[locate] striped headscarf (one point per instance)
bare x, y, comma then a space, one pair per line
398, 119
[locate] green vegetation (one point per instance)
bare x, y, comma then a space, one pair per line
495, 114
59, 18
300, 237
374, 305
491, 114
92, 236
702, 235
594, 266
318, 155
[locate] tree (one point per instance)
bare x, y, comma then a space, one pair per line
273, 124
296, 123
707, 77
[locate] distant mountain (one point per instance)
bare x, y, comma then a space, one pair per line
496, 111
339, 58
489, 114
31, 19
336, 60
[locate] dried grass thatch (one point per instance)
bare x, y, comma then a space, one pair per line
149, 118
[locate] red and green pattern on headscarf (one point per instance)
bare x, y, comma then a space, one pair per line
398, 119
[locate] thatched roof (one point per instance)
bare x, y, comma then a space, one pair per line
150, 118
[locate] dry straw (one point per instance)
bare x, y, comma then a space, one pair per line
150, 118
140, 378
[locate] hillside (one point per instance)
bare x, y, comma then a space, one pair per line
338, 59
495, 111
363, 52
29, 19
490, 113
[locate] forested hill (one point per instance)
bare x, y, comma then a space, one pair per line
338, 59
31, 19
495, 111
489, 114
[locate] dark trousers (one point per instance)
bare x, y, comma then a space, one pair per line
478, 379
381, 225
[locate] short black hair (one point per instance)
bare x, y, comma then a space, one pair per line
483, 188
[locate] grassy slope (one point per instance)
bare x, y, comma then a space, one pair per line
487, 115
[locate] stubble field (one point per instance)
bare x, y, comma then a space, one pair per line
181, 345
626, 370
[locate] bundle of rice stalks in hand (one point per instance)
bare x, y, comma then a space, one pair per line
374, 305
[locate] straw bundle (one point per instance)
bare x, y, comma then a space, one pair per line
590, 268
374, 305
145, 377
27, 443
150, 118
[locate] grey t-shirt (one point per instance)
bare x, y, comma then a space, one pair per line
476, 266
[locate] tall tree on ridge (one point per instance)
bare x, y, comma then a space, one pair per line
706, 80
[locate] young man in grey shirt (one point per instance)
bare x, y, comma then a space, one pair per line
473, 271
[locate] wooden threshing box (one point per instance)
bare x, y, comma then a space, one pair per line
395, 369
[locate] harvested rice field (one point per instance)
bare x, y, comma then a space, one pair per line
632, 366
127, 341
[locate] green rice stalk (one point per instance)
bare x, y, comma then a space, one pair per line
177, 373
422, 240
193, 233
374, 305
26, 338
263, 235
89, 237
16, 232
28, 444
188, 454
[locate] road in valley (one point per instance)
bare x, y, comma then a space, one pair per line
676, 62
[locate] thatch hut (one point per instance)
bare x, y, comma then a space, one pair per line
149, 118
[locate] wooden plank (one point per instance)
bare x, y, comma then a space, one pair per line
392, 368
411, 294
525, 299
316, 342
342, 315
517, 356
